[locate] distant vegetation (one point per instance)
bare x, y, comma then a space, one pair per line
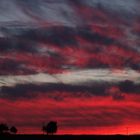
4, 129
50, 128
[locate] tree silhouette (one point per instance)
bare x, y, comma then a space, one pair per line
13, 130
50, 128
44, 129
3, 128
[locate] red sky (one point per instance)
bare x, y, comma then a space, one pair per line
75, 62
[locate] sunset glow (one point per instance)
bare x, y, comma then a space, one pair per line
73, 61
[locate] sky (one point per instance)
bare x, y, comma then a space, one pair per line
76, 62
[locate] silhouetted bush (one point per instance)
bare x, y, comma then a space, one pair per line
50, 128
13, 130
3, 128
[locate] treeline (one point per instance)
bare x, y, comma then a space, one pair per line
47, 128
4, 129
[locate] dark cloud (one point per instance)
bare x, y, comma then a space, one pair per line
86, 90
134, 66
85, 33
129, 87
15, 67
60, 36
14, 45
90, 36
28, 40
31, 90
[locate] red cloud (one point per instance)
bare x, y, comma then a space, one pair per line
99, 115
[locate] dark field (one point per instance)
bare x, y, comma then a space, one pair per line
70, 137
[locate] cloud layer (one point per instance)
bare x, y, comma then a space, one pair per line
73, 61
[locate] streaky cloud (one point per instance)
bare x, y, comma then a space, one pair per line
73, 77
